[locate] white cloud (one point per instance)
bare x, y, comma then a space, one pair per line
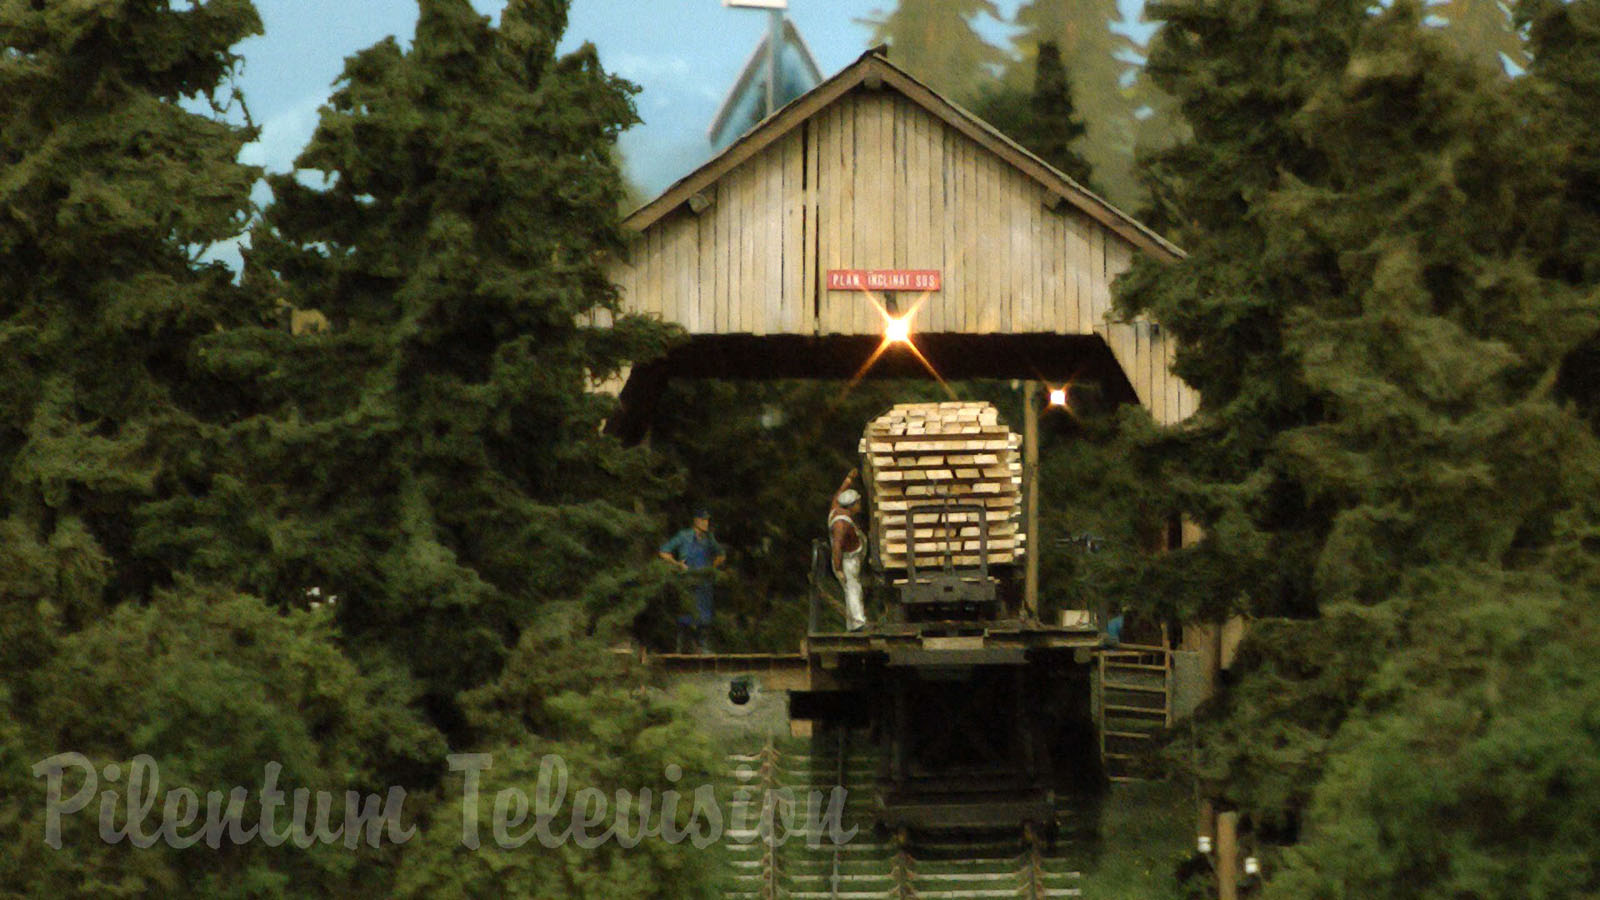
661, 72
284, 135
641, 67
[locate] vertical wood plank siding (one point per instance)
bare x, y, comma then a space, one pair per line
874, 181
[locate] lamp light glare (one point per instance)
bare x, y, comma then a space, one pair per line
1058, 396
1252, 866
897, 330
1203, 843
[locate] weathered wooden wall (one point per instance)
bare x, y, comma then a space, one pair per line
875, 181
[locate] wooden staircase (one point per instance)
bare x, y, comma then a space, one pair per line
1133, 702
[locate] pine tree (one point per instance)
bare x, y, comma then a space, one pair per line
1044, 119
113, 188
1083, 38
1564, 91
935, 41
1098, 65
1468, 769
1389, 463
432, 459
1241, 75
1057, 125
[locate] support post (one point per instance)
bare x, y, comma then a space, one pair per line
1228, 855
1207, 638
1030, 487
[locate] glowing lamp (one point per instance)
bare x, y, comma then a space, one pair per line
1058, 396
1203, 843
897, 330
1252, 866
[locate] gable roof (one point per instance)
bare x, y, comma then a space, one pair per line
874, 70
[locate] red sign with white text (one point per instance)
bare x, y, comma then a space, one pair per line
883, 279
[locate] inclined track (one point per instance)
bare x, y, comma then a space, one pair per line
769, 861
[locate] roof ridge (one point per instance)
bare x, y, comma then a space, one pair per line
802, 108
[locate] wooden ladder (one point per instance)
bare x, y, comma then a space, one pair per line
1133, 702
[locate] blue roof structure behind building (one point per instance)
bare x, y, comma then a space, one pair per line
746, 103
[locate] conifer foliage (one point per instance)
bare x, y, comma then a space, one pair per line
432, 458
1377, 320
935, 40
1111, 94
1044, 120
110, 191
226, 545
210, 688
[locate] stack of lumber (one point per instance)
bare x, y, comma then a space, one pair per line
920, 456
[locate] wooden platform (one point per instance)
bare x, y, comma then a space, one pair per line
1000, 642
723, 662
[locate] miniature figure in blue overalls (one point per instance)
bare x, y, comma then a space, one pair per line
696, 549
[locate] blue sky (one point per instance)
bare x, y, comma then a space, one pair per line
684, 55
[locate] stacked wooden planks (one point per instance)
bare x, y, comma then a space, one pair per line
918, 458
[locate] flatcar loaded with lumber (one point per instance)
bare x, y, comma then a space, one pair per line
944, 486
978, 708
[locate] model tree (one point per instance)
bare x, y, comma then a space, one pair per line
433, 457
1385, 469
1044, 119
114, 190
936, 41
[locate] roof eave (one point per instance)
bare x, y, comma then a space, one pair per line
872, 63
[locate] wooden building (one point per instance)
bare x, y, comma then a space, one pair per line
873, 171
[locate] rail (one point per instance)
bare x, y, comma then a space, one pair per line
901, 867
